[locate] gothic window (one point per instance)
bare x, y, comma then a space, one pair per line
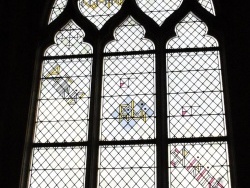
130, 94
196, 108
128, 110
62, 112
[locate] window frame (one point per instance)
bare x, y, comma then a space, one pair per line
98, 39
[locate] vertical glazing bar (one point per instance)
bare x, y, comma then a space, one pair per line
93, 137
161, 126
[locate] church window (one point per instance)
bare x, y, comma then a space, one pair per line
130, 95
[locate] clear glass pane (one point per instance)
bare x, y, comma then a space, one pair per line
63, 104
195, 98
128, 110
58, 167
99, 11
127, 166
199, 165
208, 4
57, 9
129, 36
69, 41
191, 33
159, 10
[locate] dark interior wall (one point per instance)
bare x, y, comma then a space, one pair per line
20, 26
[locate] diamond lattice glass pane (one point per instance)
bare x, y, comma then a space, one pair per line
159, 10
63, 104
127, 166
129, 36
58, 167
191, 33
208, 4
195, 95
57, 9
99, 11
199, 165
128, 110
69, 41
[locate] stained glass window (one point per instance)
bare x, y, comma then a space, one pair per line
152, 116
128, 110
63, 110
196, 108
194, 83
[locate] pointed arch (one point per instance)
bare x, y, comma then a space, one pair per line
208, 5
57, 9
62, 111
69, 41
159, 10
155, 105
128, 109
99, 12
191, 33
129, 37
196, 107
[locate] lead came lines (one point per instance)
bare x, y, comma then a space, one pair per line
195, 168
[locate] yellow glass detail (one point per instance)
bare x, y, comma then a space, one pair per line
55, 71
124, 115
81, 95
94, 5
119, 2
184, 152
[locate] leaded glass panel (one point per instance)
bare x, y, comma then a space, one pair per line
58, 167
69, 41
125, 151
199, 165
127, 166
128, 110
63, 104
208, 4
195, 98
99, 11
129, 36
159, 10
195, 95
191, 33
57, 9
62, 112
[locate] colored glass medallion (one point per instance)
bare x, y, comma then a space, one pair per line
129, 112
